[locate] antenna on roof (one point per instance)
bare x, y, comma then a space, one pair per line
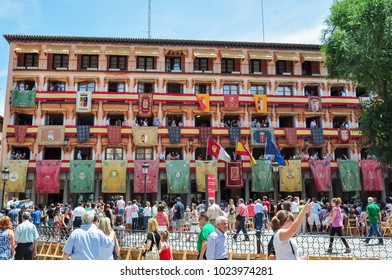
262, 17
149, 19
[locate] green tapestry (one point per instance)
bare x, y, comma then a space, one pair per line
262, 176
82, 176
177, 173
349, 175
23, 98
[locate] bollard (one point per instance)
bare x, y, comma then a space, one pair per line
258, 242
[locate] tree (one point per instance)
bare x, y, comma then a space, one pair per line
357, 44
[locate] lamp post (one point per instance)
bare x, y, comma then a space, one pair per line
145, 167
275, 169
5, 174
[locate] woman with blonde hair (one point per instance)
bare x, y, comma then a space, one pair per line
112, 252
231, 217
153, 237
165, 248
7, 239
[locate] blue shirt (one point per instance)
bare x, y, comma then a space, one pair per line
13, 215
179, 214
36, 215
216, 246
26, 232
315, 209
87, 243
259, 208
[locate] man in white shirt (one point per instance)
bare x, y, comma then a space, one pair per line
77, 215
135, 214
313, 124
213, 211
120, 206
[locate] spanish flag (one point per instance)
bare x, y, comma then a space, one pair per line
243, 151
204, 102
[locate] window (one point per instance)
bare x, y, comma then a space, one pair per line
289, 153
257, 89
86, 86
284, 90
174, 118
361, 91
144, 154
86, 153
54, 119
284, 67
255, 66
202, 88
145, 62
145, 87
230, 89
84, 119
56, 86
20, 153
203, 120
286, 121
200, 64
227, 65
23, 119
116, 87
339, 122
311, 90
342, 153
338, 91
174, 88
89, 61
31, 60
52, 153
26, 85
307, 68
172, 64
118, 62
60, 61
114, 153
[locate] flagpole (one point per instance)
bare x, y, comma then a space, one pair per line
208, 140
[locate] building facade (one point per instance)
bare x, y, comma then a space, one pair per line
129, 93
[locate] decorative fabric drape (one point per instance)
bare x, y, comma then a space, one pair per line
145, 136
291, 135
20, 133
344, 136
321, 170
260, 135
17, 176
234, 175
177, 173
204, 133
291, 176
114, 176
114, 134
145, 104
151, 179
231, 102
174, 134
234, 134
349, 175
372, 177
317, 135
51, 135
204, 168
83, 133
47, 176
314, 104
23, 98
262, 176
82, 176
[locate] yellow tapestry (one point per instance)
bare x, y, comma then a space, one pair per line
204, 168
17, 177
291, 176
145, 136
114, 173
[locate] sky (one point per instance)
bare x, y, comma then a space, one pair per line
285, 21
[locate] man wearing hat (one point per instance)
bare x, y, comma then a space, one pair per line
179, 214
26, 238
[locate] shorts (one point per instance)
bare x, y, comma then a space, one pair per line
128, 220
314, 218
179, 223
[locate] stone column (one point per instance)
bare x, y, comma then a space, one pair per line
97, 187
128, 191
247, 188
33, 195
65, 192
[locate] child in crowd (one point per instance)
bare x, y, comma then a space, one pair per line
165, 248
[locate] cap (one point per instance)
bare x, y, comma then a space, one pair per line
178, 198
289, 196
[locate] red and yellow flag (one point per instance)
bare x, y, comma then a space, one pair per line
241, 150
204, 102
260, 103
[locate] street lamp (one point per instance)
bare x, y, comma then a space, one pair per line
145, 167
5, 174
275, 169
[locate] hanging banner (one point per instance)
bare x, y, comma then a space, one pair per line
262, 176
291, 135
204, 168
23, 98
20, 133
83, 101
174, 134
50, 135
204, 102
344, 136
82, 173
151, 179
231, 102
114, 134
114, 176
47, 176
234, 134
349, 175
260, 135
145, 136
234, 175
314, 104
83, 133
211, 182
260, 103
204, 133
17, 177
317, 135
372, 177
145, 104
177, 173
321, 170
291, 176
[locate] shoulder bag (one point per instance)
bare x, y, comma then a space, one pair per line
153, 253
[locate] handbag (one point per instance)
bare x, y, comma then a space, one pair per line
153, 253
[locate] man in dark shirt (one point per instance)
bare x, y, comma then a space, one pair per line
287, 203
179, 214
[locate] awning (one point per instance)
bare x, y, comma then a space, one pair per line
88, 50
146, 79
205, 53
146, 52
232, 54
57, 49
56, 78
116, 78
85, 78
27, 49
287, 56
312, 56
175, 50
260, 55
258, 81
175, 80
17, 78
118, 51
203, 80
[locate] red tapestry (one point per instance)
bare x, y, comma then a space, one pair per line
47, 176
344, 136
114, 134
321, 171
291, 135
152, 177
20, 133
204, 133
145, 105
231, 102
234, 175
372, 178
